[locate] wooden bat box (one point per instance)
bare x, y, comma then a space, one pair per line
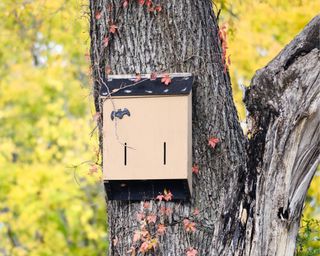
147, 137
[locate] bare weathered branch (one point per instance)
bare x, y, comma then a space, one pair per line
284, 113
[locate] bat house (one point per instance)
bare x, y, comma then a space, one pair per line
147, 137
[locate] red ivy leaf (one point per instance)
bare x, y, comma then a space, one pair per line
98, 15
168, 211
93, 169
158, 8
166, 79
146, 205
136, 236
148, 3
189, 226
195, 169
161, 229
105, 41
125, 3
213, 142
223, 38
144, 233
167, 195
144, 247
160, 197
152, 218
141, 2
223, 32
165, 211
113, 28
192, 252
196, 212
162, 210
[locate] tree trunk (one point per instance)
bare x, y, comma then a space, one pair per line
249, 204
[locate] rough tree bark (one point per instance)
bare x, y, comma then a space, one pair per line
249, 192
284, 111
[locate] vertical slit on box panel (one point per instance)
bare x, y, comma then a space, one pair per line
125, 153
164, 153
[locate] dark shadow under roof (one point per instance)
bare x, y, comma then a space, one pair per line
181, 84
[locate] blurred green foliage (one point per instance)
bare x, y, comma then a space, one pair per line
309, 238
308, 241
49, 205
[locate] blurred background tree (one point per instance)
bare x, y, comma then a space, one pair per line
51, 198
49, 204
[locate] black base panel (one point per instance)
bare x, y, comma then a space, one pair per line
139, 190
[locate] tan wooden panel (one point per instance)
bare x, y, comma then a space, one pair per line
153, 121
